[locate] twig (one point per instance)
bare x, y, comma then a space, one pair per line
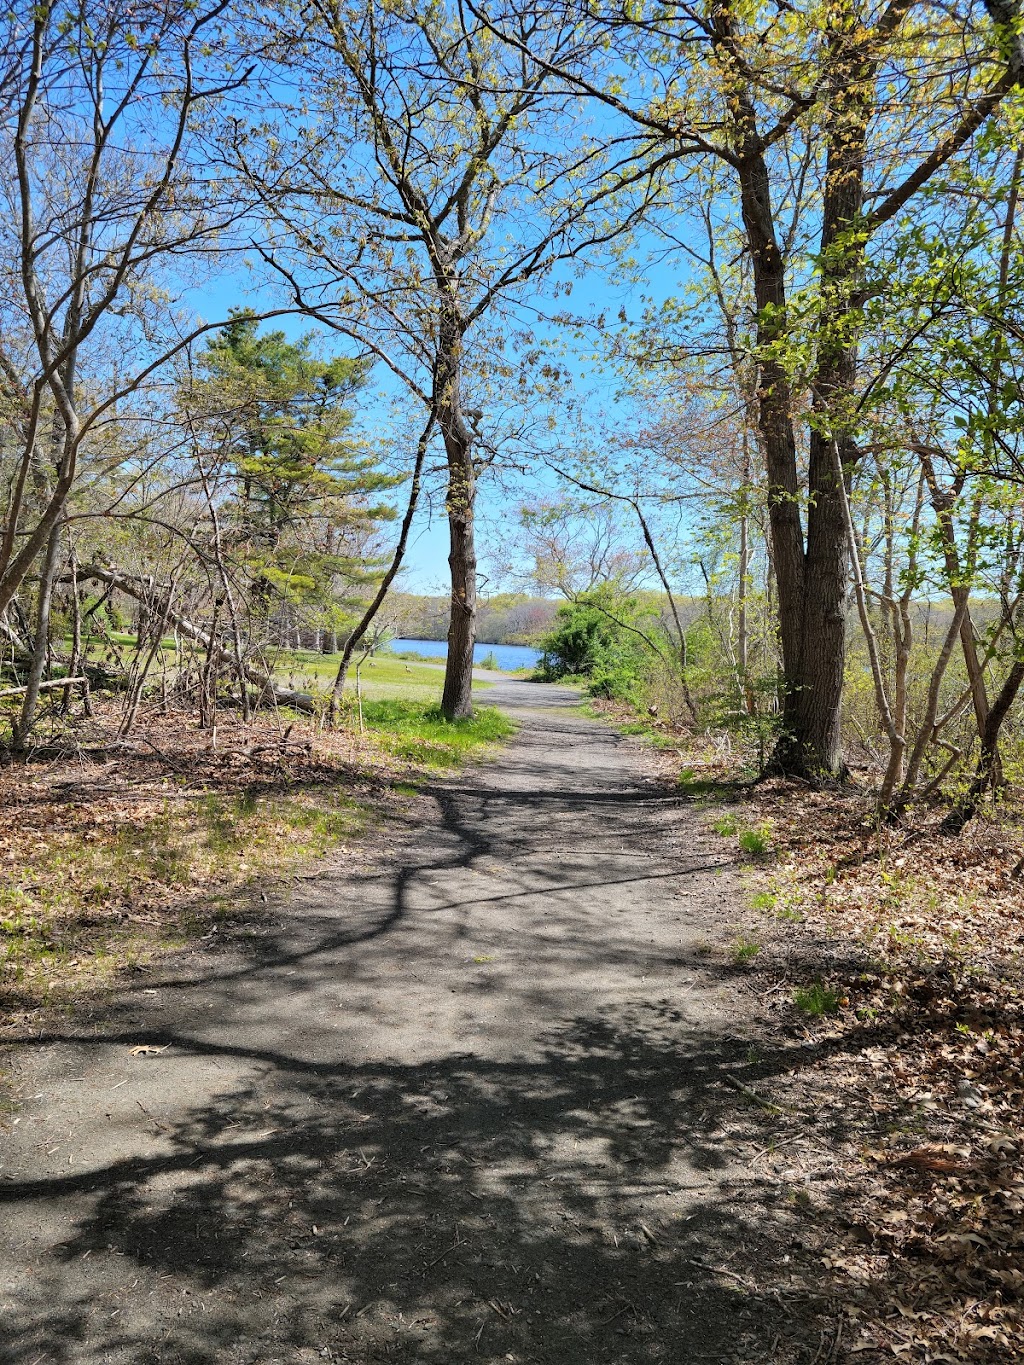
717, 1270
443, 1254
626, 1308
175, 767
754, 1097
774, 1147
822, 1356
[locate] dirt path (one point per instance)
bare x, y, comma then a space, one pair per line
462, 1105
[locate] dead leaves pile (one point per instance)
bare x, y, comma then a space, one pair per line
929, 1244
922, 938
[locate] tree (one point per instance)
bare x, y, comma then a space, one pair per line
273, 421
858, 109
106, 202
439, 174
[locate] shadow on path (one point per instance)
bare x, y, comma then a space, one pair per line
463, 1106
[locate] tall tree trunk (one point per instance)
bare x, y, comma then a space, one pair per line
811, 579
774, 402
41, 647
816, 690
457, 696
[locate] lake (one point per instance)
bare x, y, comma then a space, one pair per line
509, 657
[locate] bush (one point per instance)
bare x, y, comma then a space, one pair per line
596, 639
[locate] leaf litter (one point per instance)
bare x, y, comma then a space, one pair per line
917, 1070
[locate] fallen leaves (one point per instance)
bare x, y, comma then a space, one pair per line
922, 1066
109, 856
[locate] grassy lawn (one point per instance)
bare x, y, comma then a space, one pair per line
382, 676
408, 730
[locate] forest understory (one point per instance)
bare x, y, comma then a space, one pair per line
894, 955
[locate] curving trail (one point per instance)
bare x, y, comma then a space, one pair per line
460, 1104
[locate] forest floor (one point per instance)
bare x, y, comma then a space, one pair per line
114, 849
898, 953
491, 1087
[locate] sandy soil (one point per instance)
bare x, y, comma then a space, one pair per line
463, 1104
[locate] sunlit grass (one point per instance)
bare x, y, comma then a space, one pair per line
420, 734
383, 676
93, 902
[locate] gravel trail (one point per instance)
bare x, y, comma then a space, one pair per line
462, 1103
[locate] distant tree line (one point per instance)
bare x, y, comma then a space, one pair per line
504, 619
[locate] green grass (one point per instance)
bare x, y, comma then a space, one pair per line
817, 999
744, 950
697, 787
91, 901
383, 676
421, 734
756, 842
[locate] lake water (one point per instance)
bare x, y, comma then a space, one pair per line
509, 657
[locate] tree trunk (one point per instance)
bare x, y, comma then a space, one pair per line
76, 632
815, 695
811, 580
457, 697
988, 769
774, 407
775, 423
41, 649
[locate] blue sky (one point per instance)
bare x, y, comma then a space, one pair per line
594, 291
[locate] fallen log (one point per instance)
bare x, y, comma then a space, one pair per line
43, 686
